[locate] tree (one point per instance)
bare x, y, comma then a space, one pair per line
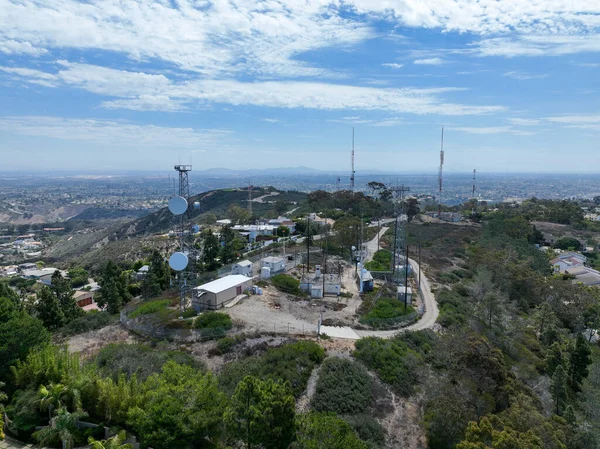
237, 214
3, 398
555, 358
209, 219
178, 405
262, 413
19, 334
158, 277
412, 208
115, 442
568, 243
52, 397
62, 427
227, 245
210, 251
581, 358
48, 309
558, 388
79, 277
592, 319
64, 293
283, 231
325, 431
113, 288
483, 435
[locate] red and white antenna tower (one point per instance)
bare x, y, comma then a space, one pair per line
352, 174
440, 176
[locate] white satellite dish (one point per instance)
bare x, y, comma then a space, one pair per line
178, 205
178, 261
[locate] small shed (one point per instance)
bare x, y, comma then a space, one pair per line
401, 290
243, 267
215, 294
275, 264
367, 281
141, 274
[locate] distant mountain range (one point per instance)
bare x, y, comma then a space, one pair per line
282, 171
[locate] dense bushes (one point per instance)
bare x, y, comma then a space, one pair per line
213, 324
393, 360
382, 261
90, 321
148, 308
292, 362
387, 312
137, 359
286, 284
344, 387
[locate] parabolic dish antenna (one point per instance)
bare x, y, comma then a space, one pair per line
178, 261
178, 205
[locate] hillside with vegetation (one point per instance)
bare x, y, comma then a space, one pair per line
513, 361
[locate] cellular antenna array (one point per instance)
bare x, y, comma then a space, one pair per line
179, 261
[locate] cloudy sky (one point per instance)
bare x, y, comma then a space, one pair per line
106, 84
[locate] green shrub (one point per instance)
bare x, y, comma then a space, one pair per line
213, 324
148, 308
386, 313
90, 321
368, 429
225, 344
394, 362
189, 313
138, 359
344, 387
292, 362
382, 261
286, 284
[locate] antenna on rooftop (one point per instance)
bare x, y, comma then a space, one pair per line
250, 198
440, 176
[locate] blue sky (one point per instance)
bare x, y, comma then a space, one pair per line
103, 85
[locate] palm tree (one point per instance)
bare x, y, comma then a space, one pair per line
61, 428
115, 442
52, 397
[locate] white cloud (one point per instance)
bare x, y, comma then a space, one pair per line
271, 120
429, 61
392, 65
524, 121
10, 47
492, 130
115, 133
142, 91
581, 121
524, 76
537, 45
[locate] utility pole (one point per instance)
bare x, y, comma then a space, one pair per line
307, 244
406, 279
352, 173
419, 265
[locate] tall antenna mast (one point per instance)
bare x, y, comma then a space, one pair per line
250, 198
440, 176
473, 194
352, 174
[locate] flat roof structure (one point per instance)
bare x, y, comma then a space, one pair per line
227, 282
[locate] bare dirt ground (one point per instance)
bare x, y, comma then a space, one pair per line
89, 343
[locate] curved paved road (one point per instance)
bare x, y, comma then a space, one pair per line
426, 321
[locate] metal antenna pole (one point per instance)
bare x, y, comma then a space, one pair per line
440, 176
406, 279
352, 173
